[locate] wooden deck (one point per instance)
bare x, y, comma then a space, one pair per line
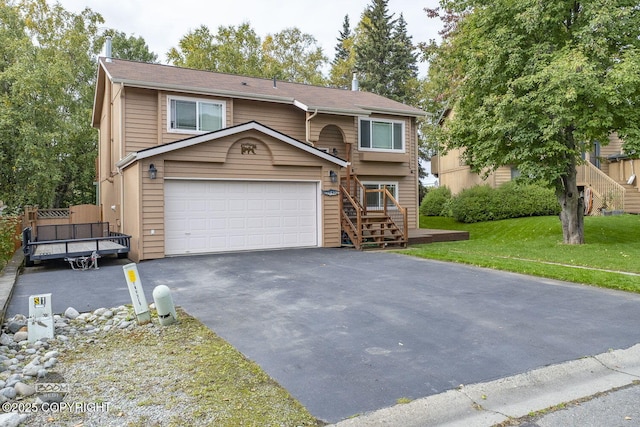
74, 248
426, 235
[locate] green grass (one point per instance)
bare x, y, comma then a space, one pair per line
184, 368
534, 246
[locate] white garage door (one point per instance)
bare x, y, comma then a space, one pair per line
217, 216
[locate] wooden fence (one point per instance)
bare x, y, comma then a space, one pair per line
78, 214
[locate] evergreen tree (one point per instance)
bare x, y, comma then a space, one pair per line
374, 49
342, 65
404, 68
385, 57
342, 52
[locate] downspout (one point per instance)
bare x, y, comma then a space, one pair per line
308, 127
120, 221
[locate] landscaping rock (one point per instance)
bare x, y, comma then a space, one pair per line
99, 312
6, 340
12, 419
50, 354
9, 392
16, 324
20, 336
71, 313
25, 390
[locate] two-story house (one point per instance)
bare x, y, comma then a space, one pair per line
192, 162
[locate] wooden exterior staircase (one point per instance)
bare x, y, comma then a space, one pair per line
631, 198
366, 227
608, 194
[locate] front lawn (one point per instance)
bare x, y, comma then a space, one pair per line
534, 246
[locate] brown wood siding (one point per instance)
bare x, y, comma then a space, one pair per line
256, 170
286, 119
345, 123
267, 149
359, 165
413, 214
330, 208
111, 182
369, 167
152, 213
455, 175
104, 137
614, 147
131, 210
117, 127
502, 175
165, 135
141, 126
331, 138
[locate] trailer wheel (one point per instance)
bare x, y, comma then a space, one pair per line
28, 262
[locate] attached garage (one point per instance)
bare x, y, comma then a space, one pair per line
204, 216
242, 188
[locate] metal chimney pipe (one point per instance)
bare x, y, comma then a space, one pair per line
355, 84
275, 85
107, 49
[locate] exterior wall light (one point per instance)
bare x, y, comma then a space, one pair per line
153, 172
333, 176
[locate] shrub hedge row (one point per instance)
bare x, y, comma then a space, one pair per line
483, 203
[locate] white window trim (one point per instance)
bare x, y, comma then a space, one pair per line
197, 100
384, 150
380, 184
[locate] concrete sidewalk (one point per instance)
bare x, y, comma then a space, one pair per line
512, 398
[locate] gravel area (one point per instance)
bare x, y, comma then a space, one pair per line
113, 372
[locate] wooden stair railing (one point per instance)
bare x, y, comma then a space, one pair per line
380, 227
606, 192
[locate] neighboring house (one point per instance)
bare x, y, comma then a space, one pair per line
193, 161
607, 177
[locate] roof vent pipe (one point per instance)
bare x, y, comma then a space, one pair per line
275, 86
355, 85
107, 49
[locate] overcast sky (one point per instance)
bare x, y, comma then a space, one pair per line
163, 22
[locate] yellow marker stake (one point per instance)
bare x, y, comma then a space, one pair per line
137, 293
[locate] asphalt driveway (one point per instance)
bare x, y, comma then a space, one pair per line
348, 332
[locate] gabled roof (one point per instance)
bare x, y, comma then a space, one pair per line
306, 97
234, 130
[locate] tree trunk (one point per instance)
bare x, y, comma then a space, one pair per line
572, 215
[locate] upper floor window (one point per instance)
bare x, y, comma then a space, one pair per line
381, 135
195, 115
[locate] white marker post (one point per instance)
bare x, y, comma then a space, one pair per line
134, 283
40, 317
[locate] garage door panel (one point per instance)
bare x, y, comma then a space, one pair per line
218, 216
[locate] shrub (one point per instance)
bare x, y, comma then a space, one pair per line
475, 204
7, 238
511, 200
435, 202
522, 200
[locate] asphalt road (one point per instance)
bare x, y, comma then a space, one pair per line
348, 332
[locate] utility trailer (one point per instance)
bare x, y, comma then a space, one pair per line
72, 242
